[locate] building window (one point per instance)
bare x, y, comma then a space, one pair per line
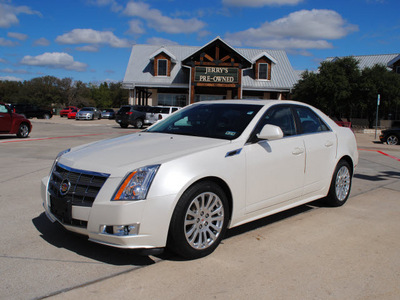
172, 99
398, 69
162, 67
262, 71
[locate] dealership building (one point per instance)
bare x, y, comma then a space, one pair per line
177, 75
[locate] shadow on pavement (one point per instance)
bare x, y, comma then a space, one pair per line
59, 237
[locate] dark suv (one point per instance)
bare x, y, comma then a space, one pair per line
134, 115
31, 111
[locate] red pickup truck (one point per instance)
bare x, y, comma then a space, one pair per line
12, 123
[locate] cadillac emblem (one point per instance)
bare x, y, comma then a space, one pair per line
64, 187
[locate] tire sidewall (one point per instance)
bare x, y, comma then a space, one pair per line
22, 129
176, 239
332, 199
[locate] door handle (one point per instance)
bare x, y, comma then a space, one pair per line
328, 144
298, 151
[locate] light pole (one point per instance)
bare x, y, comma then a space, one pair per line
377, 111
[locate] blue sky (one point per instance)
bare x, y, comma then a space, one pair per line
91, 40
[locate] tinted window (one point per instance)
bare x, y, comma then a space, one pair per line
222, 121
280, 116
309, 120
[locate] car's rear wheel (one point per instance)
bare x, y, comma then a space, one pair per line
392, 140
46, 116
123, 125
341, 184
199, 220
23, 131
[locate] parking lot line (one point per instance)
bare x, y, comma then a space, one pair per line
381, 152
58, 137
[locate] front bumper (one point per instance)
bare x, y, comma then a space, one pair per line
84, 117
151, 218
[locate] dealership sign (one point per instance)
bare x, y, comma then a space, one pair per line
216, 75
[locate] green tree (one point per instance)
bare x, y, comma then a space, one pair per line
333, 88
379, 80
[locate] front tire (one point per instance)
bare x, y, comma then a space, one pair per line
341, 185
392, 140
23, 131
199, 221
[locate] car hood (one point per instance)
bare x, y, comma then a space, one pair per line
121, 155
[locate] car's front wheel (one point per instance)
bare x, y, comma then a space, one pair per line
341, 184
392, 140
199, 220
23, 131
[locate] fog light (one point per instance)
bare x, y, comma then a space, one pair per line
120, 230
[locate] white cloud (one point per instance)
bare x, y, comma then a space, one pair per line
14, 71
90, 36
2, 60
136, 27
42, 42
305, 29
88, 48
155, 19
58, 60
9, 13
10, 78
18, 36
260, 3
113, 3
160, 41
7, 43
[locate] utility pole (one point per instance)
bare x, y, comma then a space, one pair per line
377, 111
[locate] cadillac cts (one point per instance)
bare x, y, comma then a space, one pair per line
208, 167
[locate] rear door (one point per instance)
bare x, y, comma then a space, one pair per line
320, 144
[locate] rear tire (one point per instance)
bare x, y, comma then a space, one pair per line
123, 125
199, 221
341, 185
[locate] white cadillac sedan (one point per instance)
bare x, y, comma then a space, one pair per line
208, 167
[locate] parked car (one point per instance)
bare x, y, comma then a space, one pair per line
72, 113
88, 113
134, 115
66, 110
32, 111
390, 136
108, 114
12, 123
208, 167
165, 111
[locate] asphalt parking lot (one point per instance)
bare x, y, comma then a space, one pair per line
310, 252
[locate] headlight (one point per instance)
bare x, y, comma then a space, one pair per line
136, 184
57, 158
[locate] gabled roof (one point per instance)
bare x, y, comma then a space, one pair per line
393, 61
264, 54
368, 61
163, 50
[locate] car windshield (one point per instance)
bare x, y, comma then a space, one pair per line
213, 120
86, 109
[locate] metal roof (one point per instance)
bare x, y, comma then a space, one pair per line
139, 71
368, 61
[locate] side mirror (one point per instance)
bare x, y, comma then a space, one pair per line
270, 132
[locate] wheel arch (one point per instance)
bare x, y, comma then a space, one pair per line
348, 159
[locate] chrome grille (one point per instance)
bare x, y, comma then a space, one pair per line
83, 189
